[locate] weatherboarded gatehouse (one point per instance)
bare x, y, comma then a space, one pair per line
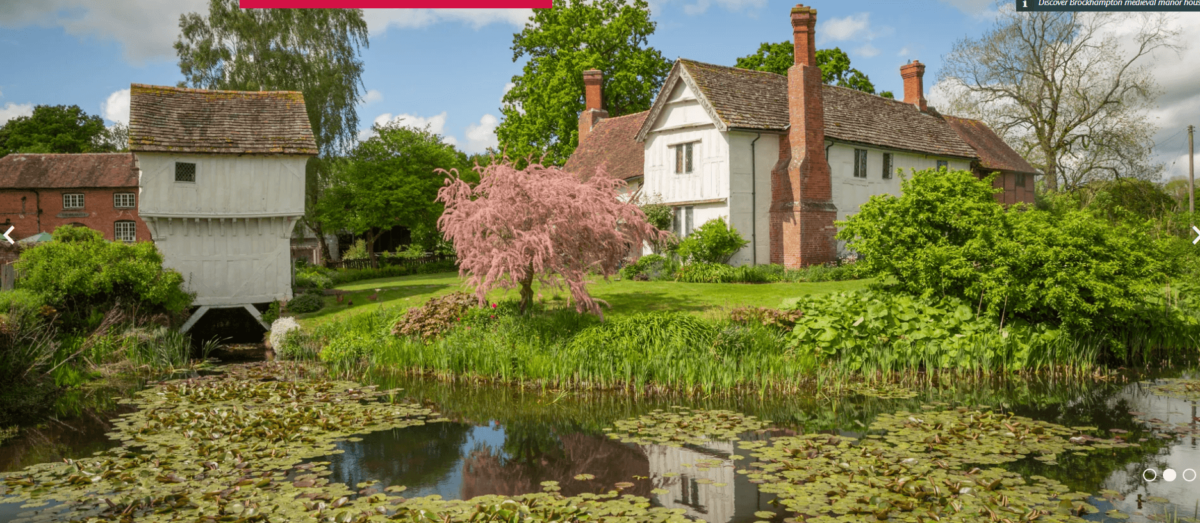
222, 179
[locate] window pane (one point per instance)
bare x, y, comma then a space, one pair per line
126, 231
887, 166
942, 164
688, 155
72, 201
124, 200
185, 172
688, 230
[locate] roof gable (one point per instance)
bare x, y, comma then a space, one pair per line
175, 119
994, 152
64, 171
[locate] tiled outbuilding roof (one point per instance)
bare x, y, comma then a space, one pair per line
994, 153
175, 119
52, 171
757, 100
612, 143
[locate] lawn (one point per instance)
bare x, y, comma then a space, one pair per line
625, 297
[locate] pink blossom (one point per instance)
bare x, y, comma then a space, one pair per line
540, 222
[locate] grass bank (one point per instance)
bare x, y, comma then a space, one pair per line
624, 297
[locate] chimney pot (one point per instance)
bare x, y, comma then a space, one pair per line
593, 81
804, 22
913, 74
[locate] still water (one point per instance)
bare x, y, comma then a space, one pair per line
509, 441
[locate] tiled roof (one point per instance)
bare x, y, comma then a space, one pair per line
758, 100
50, 171
611, 143
174, 119
993, 153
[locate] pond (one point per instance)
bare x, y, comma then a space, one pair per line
510, 442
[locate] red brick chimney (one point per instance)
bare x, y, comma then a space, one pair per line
802, 209
913, 74
593, 101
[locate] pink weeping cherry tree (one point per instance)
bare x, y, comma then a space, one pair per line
540, 222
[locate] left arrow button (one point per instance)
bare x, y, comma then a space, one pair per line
7, 237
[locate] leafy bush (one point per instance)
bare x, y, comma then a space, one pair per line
870, 330
82, 275
357, 251
947, 236
308, 302
436, 316
713, 242
314, 277
780, 319
651, 267
272, 313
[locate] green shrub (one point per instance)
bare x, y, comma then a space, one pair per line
776, 318
869, 330
307, 302
82, 275
349, 351
272, 313
704, 273
436, 316
630, 340
947, 236
314, 277
651, 267
713, 242
357, 251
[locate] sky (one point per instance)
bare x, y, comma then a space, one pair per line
450, 68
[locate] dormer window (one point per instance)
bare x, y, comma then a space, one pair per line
185, 172
683, 158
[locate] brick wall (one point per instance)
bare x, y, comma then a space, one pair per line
19, 208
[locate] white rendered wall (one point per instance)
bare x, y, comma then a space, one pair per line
766, 151
683, 121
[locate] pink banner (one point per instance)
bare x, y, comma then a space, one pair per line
395, 4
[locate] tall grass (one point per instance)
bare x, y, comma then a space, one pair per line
659, 353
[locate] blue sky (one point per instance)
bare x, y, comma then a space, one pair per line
449, 68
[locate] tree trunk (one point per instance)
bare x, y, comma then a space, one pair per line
527, 290
322, 249
1051, 170
371, 237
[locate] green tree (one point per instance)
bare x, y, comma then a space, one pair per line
314, 51
541, 111
388, 180
54, 129
834, 64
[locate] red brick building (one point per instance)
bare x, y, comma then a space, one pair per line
39, 192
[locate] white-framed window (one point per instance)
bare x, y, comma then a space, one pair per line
126, 231
942, 164
860, 163
684, 154
887, 166
124, 200
681, 224
185, 172
73, 201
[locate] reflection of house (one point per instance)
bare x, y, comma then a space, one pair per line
783, 157
39, 192
222, 178
707, 486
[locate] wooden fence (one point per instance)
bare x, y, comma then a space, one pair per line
387, 262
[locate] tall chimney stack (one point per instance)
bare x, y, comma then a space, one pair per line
802, 210
913, 74
593, 101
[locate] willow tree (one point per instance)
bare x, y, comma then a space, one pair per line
314, 51
1071, 91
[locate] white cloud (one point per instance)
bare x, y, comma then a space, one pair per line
380, 20
436, 124
145, 28
372, 96
903, 52
855, 27
116, 107
482, 135
867, 50
12, 110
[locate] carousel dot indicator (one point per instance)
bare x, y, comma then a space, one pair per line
1169, 475
1150, 474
